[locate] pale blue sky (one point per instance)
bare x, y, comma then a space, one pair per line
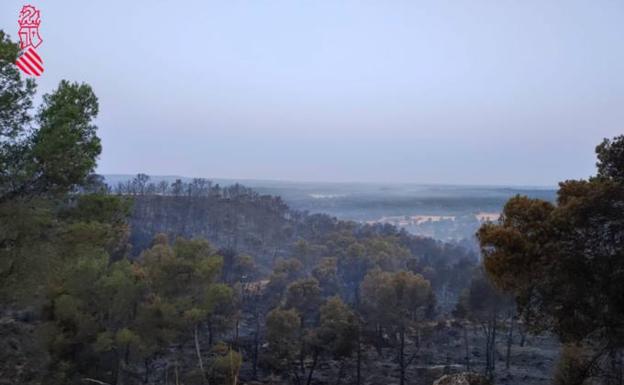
460, 92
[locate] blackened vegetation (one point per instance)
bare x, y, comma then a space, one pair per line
232, 217
226, 286
238, 218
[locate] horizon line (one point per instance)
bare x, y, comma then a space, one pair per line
239, 180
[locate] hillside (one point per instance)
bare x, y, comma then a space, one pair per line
455, 212
238, 218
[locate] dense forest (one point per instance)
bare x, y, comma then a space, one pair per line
197, 283
239, 220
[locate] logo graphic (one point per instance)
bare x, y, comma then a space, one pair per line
28, 60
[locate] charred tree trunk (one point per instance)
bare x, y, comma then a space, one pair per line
490, 346
302, 346
358, 376
340, 371
379, 343
146, 378
255, 348
509, 341
522, 332
486, 332
402, 355
210, 334
467, 347
120, 369
236, 331
493, 347
314, 361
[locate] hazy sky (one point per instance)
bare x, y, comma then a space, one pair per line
477, 92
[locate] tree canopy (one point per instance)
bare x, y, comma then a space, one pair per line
564, 261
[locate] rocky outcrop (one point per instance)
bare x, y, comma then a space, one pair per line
465, 378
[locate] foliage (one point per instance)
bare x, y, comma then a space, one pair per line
337, 331
398, 302
396, 299
225, 365
282, 336
308, 285
564, 263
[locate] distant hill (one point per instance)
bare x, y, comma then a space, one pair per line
376, 202
238, 219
